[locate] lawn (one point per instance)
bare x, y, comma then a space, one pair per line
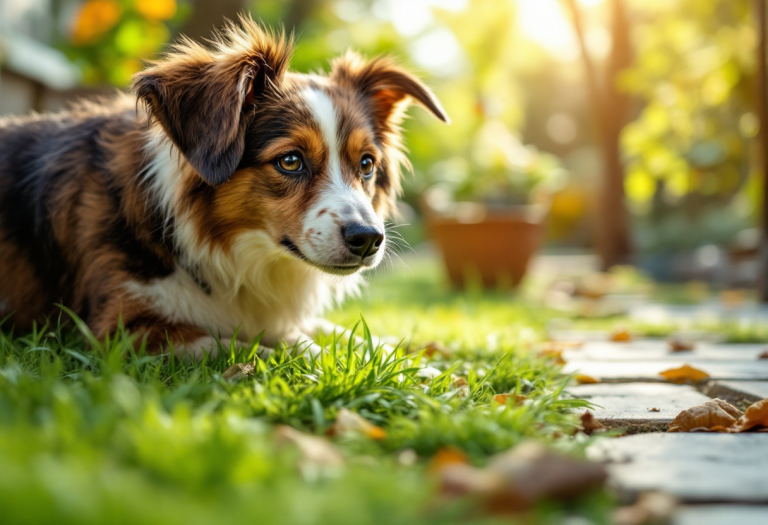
88, 435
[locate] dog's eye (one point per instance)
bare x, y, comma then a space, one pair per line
290, 163
367, 166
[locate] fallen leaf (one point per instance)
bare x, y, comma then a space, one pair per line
756, 415
764, 355
348, 422
678, 344
684, 374
732, 298
590, 424
582, 379
461, 386
552, 353
436, 347
712, 416
649, 509
620, 336
319, 458
514, 481
447, 456
654, 409
238, 371
502, 399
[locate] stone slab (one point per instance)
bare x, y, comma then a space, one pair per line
658, 350
630, 404
721, 515
697, 468
626, 371
739, 390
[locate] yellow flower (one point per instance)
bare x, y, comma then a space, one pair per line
156, 9
93, 20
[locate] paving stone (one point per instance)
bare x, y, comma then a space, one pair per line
739, 390
709, 313
626, 371
697, 468
629, 404
722, 515
658, 350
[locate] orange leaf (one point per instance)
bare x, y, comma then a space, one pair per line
713, 416
447, 456
436, 347
621, 336
677, 344
502, 399
348, 422
94, 18
684, 374
590, 424
764, 355
156, 9
582, 379
555, 354
756, 415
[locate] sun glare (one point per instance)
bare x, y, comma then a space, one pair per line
545, 22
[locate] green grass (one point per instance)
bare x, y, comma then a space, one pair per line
95, 434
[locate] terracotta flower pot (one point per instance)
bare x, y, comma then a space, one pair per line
492, 246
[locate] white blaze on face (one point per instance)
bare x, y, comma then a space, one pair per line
339, 203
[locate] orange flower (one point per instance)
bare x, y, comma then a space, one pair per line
156, 9
93, 20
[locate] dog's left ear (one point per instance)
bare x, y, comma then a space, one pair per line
203, 97
388, 87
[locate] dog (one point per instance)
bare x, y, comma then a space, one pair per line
227, 196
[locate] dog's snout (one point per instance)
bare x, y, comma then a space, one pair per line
361, 239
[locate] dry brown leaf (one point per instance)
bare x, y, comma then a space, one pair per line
755, 416
552, 353
502, 399
436, 347
583, 379
590, 424
447, 456
684, 374
650, 508
348, 422
318, 456
620, 336
713, 416
238, 371
678, 344
516, 480
732, 298
654, 409
763, 355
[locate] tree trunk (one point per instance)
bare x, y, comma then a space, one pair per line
610, 110
208, 15
761, 104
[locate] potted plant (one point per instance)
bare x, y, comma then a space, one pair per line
486, 213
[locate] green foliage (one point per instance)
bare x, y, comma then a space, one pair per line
93, 433
108, 39
687, 151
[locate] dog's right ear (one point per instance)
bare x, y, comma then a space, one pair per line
202, 97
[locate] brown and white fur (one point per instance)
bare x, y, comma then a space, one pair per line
168, 210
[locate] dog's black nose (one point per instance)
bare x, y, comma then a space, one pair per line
362, 240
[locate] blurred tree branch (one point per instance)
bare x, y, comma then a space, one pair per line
610, 109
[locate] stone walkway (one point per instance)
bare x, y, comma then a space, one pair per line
717, 478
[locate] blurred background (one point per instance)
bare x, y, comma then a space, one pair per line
612, 132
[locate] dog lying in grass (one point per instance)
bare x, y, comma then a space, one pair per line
226, 196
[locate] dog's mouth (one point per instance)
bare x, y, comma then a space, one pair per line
335, 269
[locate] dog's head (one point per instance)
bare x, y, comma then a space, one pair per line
314, 161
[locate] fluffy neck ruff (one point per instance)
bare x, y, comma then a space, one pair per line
260, 281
